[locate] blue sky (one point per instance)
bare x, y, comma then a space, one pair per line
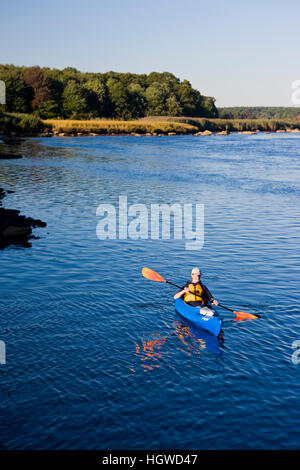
240, 53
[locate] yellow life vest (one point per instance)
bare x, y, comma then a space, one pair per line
197, 289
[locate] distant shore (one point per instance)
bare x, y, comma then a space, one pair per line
31, 125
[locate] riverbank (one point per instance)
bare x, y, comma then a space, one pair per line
20, 124
167, 126
31, 125
112, 127
232, 125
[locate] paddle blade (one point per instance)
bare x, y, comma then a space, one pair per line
152, 275
245, 316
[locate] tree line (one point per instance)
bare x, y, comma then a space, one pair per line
69, 93
260, 112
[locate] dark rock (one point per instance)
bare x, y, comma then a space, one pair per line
10, 140
9, 156
16, 228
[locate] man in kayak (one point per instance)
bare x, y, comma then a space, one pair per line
189, 290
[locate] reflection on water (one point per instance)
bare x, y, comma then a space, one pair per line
153, 352
195, 339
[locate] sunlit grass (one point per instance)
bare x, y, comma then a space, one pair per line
101, 126
152, 125
231, 125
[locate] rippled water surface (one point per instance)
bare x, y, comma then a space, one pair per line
97, 357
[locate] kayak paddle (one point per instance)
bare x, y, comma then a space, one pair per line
154, 276
240, 315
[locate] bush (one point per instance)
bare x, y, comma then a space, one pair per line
20, 123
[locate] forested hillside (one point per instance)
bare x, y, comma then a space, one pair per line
68, 93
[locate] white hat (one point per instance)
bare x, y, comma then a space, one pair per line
196, 271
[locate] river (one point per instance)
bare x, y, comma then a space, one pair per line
96, 355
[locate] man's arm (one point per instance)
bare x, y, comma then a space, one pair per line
209, 295
181, 292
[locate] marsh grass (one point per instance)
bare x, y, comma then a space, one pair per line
101, 126
32, 124
231, 125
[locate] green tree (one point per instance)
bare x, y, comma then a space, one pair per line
74, 100
18, 95
69, 92
190, 99
98, 96
209, 108
137, 100
173, 106
119, 98
48, 109
69, 73
157, 95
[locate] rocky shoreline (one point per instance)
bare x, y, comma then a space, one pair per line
149, 134
16, 228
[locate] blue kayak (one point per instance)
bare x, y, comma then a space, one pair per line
203, 317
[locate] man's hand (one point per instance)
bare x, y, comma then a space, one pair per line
214, 302
185, 290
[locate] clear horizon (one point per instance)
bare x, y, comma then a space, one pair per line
243, 55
